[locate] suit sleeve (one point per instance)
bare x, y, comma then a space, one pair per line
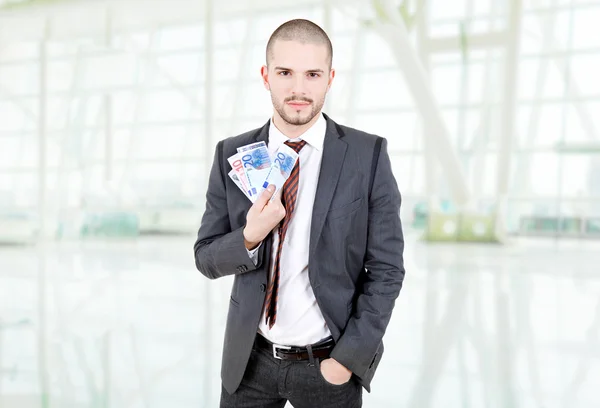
218, 250
357, 347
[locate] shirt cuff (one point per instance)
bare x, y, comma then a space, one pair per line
253, 254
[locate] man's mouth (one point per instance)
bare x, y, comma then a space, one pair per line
298, 104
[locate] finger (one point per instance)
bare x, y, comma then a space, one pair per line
264, 197
277, 197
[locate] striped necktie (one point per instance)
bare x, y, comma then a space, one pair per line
288, 198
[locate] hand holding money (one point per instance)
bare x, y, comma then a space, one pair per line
264, 215
253, 169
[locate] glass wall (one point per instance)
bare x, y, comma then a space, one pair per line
125, 110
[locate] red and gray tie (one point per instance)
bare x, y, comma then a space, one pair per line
288, 198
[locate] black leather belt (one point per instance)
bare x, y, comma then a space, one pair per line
295, 353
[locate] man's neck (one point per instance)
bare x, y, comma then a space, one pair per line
293, 131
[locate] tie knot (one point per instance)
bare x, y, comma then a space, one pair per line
297, 146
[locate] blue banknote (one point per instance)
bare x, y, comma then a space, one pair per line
256, 164
281, 168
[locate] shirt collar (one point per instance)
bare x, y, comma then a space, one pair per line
314, 136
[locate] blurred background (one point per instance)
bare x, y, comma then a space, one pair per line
109, 114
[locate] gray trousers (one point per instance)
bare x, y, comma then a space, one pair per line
269, 383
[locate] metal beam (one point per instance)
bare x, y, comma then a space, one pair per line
507, 135
43, 373
107, 102
353, 80
42, 137
478, 41
73, 129
464, 92
522, 178
238, 88
396, 35
209, 146
579, 147
432, 170
140, 92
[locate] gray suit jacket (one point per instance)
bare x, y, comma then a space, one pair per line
355, 258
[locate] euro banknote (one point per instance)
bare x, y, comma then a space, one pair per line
233, 176
281, 168
238, 167
257, 163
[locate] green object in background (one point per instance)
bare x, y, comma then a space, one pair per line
553, 225
453, 227
419, 215
117, 224
571, 225
592, 226
539, 224
477, 228
441, 227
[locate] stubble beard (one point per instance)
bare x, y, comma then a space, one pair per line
295, 119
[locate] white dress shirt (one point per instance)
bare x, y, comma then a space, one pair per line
299, 319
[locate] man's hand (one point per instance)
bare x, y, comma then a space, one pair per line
263, 216
335, 373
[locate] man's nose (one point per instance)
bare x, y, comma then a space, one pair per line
298, 86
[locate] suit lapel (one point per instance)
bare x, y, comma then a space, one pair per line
334, 152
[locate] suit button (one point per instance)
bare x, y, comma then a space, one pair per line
263, 287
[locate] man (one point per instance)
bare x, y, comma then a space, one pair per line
318, 268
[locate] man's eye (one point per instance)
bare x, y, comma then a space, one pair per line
313, 75
284, 73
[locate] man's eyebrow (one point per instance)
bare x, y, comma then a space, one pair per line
289, 69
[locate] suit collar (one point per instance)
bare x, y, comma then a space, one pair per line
313, 136
333, 128
262, 134
333, 131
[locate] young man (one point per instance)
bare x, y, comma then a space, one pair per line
318, 268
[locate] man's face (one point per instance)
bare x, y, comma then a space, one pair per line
298, 76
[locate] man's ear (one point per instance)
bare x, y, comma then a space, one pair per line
264, 73
331, 76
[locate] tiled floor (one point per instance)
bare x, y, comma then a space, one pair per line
127, 324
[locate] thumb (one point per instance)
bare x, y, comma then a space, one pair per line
265, 196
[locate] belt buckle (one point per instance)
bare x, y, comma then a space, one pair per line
279, 346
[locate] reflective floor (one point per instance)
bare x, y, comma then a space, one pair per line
127, 324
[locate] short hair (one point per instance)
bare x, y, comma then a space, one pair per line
304, 31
